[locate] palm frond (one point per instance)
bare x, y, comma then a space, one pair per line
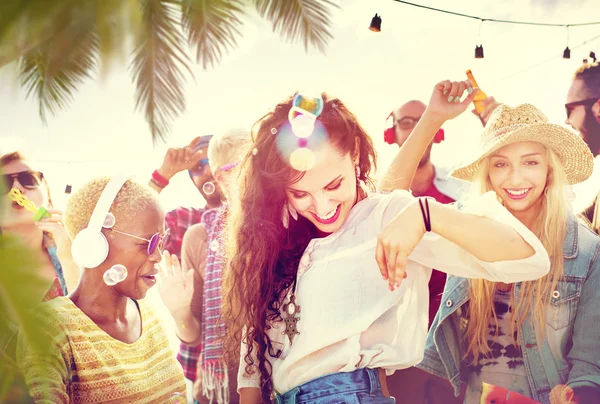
115, 20
305, 20
212, 27
51, 74
158, 64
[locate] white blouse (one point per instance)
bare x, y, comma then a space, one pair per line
350, 319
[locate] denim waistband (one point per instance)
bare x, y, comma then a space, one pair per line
362, 380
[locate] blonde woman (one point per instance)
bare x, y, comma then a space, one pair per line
534, 336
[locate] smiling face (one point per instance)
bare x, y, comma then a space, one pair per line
518, 173
133, 253
327, 192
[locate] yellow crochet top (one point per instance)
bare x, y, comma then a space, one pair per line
86, 365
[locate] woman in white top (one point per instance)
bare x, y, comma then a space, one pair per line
306, 235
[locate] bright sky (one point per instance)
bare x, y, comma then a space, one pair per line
372, 73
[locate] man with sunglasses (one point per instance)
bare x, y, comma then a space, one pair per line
415, 385
583, 114
192, 158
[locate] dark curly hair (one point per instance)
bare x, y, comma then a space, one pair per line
263, 255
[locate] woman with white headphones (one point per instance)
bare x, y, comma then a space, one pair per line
105, 343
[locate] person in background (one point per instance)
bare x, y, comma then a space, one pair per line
195, 303
412, 384
583, 114
46, 236
104, 341
194, 159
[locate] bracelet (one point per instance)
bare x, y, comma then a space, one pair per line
153, 181
162, 181
425, 213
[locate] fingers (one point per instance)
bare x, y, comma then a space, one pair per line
193, 142
165, 265
445, 86
392, 262
400, 268
175, 267
390, 256
380, 257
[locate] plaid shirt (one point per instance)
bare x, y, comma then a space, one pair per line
178, 221
189, 357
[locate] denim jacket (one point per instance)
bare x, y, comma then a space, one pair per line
569, 352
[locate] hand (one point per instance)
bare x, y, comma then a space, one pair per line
490, 106
396, 242
563, 394
54, 226
175, 286
179, 159
445, 101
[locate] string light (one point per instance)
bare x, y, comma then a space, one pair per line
376, 25
496, 20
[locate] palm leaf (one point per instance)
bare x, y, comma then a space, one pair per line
211, 26
52, 76
52, 72
305, 20
157, 66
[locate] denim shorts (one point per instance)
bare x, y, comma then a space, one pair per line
359, 387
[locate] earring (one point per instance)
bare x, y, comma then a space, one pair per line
287, 211
116, 274
357, 171
293, 211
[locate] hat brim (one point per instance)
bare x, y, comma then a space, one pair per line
575, 155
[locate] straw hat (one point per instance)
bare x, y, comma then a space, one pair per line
526, 123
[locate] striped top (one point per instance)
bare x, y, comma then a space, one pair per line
86, 365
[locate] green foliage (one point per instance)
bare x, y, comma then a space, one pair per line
58, 44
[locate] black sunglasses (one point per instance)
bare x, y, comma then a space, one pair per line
571, 106
407, 122
28, 179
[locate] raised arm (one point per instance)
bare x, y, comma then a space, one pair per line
176, 159
442, 106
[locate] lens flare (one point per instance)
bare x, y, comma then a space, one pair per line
303, 159
209, 188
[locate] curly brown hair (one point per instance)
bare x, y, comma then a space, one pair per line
263, 255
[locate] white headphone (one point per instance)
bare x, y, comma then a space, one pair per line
90, 247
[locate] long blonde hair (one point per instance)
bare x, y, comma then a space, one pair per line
550, 226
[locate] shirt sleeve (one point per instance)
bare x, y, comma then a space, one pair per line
193, 256
246, 380
436, 252
45, 370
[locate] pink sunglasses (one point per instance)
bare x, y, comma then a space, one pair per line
157, 240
